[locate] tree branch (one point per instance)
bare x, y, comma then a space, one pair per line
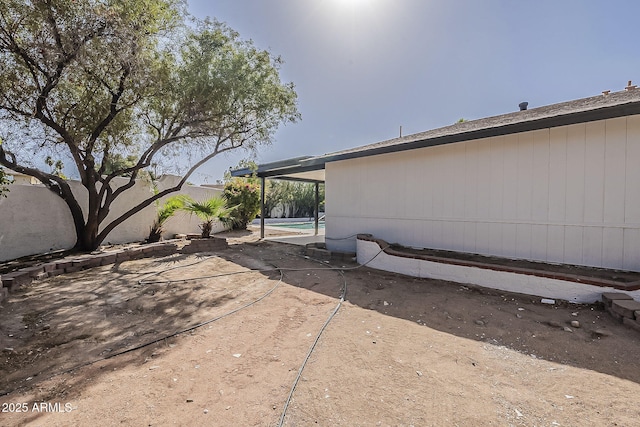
113, 224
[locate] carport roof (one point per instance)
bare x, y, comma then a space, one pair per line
605, 106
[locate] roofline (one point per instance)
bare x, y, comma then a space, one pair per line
280, 168
306, 164
621, 110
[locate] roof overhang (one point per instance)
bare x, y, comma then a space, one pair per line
312, 168
296, 169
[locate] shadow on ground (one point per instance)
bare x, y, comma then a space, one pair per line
98, 318
519, 322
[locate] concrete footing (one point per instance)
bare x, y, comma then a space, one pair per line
320, 252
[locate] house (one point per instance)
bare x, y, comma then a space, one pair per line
558, 184
18, 178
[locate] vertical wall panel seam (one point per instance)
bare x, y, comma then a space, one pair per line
548, 141
604, 190
624, 191
584, 189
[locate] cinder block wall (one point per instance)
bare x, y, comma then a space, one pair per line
34, 220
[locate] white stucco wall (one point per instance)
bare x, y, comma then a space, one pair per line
569, 194
34, 220
369, 253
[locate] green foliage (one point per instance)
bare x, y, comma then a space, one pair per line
56, 167
249, 165
164, 212
296, 198
4, 181
208, 211
116, 163
244, 194
95, 81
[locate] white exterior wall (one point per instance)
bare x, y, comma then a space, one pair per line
569, 194
369, 253
34, 220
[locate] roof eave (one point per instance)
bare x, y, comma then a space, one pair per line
526, 126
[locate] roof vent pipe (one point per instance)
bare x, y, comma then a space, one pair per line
523, 106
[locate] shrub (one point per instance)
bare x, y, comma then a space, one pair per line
163, 214
208, 211
244, 195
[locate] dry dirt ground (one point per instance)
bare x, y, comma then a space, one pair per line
399, 351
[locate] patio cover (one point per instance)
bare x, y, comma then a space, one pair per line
296, 169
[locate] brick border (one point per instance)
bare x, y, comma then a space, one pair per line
10, 282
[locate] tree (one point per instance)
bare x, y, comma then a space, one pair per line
102, 80
56, 167
4, 181
164, 212
208, 211
298, 198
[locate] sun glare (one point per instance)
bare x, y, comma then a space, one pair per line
351, 3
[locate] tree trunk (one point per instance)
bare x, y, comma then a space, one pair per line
88, 235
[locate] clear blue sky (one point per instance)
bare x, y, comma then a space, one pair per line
363, 68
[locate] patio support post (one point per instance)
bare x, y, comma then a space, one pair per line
316, 212
263, 181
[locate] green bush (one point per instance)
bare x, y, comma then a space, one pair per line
296, 198
163, 213
208, 211
4, 181
244, 195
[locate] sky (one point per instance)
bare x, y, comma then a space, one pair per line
363, 68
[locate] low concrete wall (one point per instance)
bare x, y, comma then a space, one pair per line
33, 220
370, 253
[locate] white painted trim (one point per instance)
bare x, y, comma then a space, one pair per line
507, 281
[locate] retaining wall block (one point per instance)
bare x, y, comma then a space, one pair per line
73, 269
123, 256
62, 264
625, 308
56, 272
166, 249
4, 293
609, 297
205, 245
50, 267
15, 279
637, 315
80, 262
33, 271
93, 262
136, 253
40, 276
634, 324
106, 259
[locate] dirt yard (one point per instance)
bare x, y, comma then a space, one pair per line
399, 351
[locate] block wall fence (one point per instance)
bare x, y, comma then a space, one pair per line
33, 220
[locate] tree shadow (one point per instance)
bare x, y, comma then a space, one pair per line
69, 321
516, 321
101, 319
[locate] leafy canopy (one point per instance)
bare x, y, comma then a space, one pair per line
114, 87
